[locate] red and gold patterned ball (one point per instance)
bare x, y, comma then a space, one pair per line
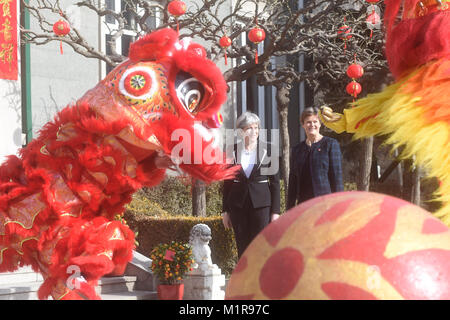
347, 245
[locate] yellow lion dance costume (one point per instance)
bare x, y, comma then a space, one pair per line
414, 111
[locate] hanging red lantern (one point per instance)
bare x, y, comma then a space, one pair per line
343, 33
353, 88
61, 28
225, 42
373, 19
177, 8
355, 71
256, 35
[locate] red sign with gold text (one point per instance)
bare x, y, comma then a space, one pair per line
8, 39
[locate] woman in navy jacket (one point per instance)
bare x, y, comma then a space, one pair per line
315, 164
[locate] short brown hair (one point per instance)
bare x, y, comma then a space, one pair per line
310, 111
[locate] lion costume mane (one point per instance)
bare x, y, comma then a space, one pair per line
414, 111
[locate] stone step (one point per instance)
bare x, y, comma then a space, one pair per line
115, 284
24, 274
109, 288
20, 291
136, 284
131, 295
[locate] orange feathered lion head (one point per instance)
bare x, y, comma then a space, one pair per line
165, 86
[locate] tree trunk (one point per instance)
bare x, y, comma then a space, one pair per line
365, 164
407, 181
411, 183
282, 99
399, 170
416, 196
198, 198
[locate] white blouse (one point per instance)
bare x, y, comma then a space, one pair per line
248, 160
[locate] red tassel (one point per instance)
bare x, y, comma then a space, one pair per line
60, 47
178, 28
226, 58
256, 56
371, 33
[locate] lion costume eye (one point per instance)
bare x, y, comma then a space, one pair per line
138, 83
190, 91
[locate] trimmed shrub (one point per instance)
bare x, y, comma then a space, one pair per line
174, 195
141, 205
152, 230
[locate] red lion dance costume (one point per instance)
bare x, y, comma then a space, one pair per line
58, 200
415, 110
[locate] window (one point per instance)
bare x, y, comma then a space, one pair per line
110, 26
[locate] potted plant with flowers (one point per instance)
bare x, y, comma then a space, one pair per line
170, 263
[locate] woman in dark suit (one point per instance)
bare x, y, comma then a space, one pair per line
252, 199
315, 164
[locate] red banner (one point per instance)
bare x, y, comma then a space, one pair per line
8, 39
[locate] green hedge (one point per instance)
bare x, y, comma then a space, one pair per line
153, 230
142, 206
174, 195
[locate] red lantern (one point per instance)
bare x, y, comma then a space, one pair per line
355, 71
343, 34
373, 20
353, 88
61, 28
256, 35
177, 8
225, 42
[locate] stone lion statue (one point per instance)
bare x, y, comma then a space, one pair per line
199, 239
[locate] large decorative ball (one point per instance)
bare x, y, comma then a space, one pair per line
347, 245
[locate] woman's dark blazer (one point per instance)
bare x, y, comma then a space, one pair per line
326, 168
263, 190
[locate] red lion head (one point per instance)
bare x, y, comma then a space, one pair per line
168, 93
